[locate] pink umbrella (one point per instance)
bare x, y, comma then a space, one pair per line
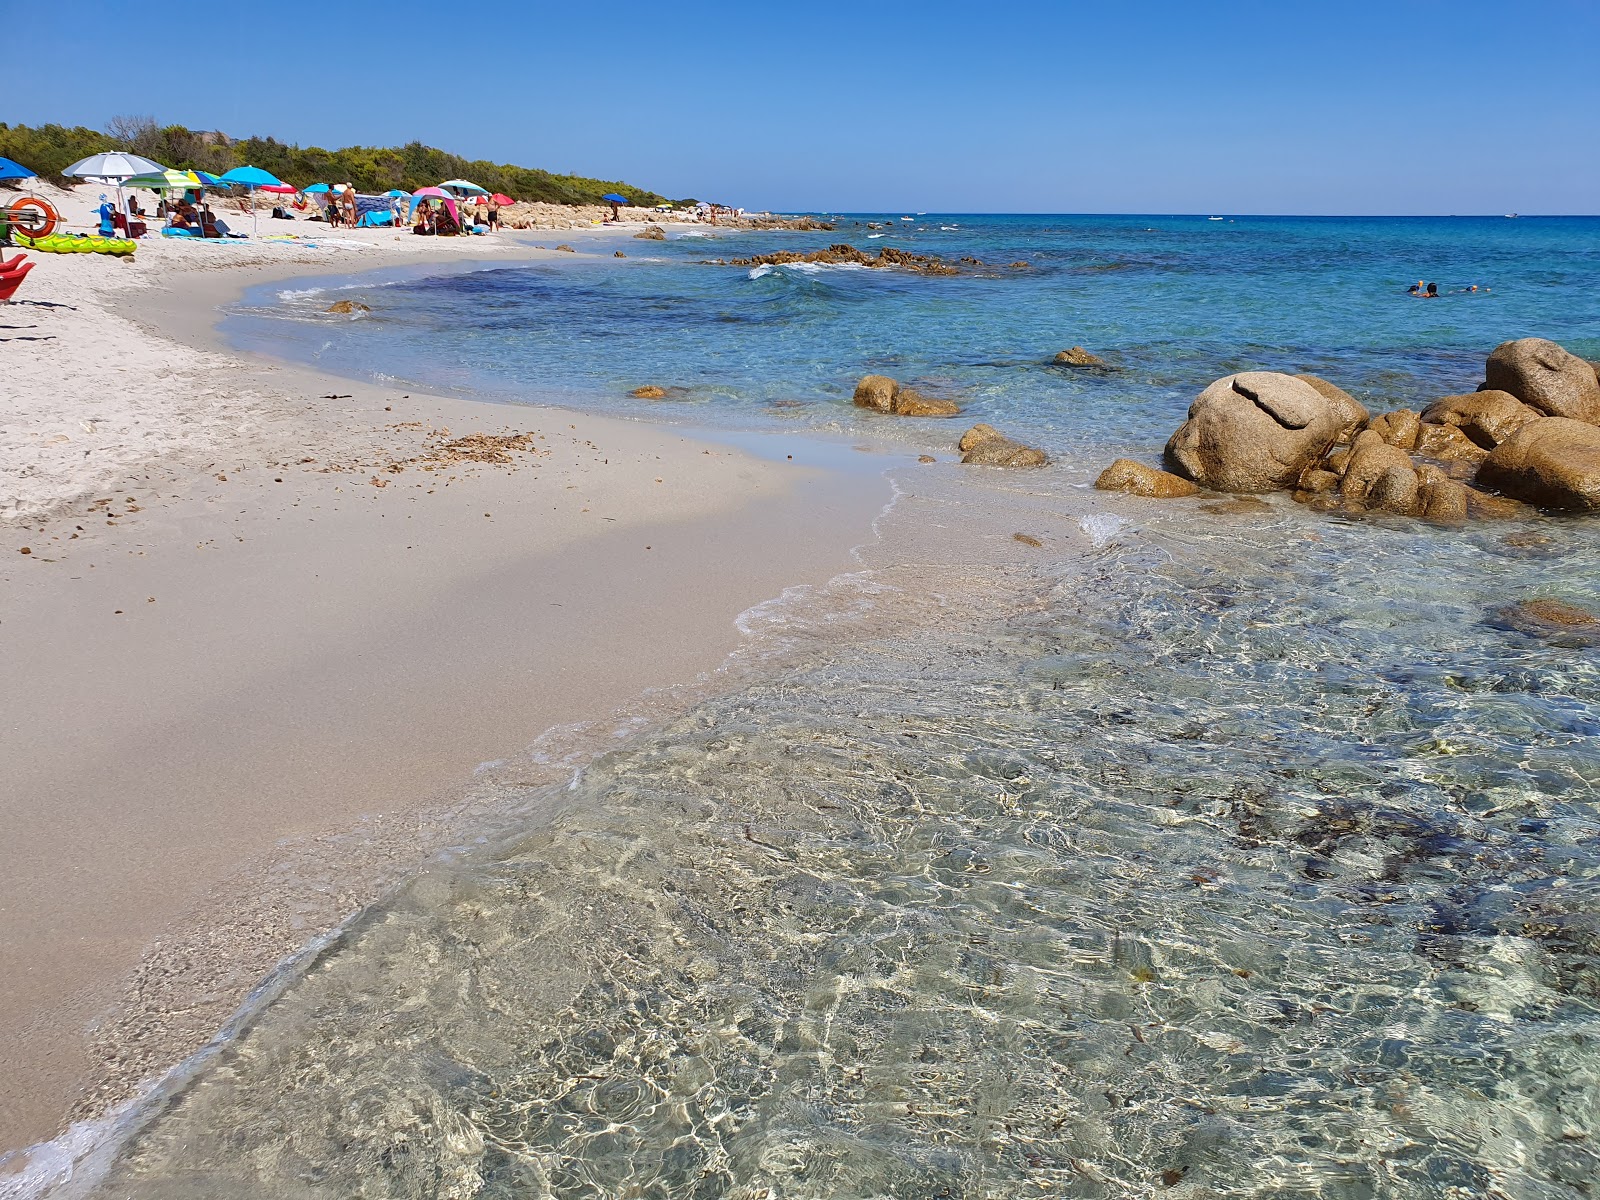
286, 189
433, 193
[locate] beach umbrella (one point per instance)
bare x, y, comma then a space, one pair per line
396, 193
502, 199
433, 193
252, 178
113, 167
613, 198
14, 170
316, 188
464, 186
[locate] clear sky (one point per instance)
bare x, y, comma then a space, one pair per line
1277, 106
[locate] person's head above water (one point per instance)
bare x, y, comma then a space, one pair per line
1414, 288
1433, 289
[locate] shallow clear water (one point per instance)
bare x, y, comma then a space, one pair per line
1190, 853
1177, 301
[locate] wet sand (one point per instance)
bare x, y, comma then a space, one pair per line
253, 690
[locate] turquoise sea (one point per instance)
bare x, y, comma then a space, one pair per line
1188, 853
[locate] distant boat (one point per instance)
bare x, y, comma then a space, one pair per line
908, 218
873, 235
1511, 216
1213, 218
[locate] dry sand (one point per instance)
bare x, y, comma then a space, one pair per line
262, 639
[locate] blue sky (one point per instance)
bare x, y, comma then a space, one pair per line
1294, 106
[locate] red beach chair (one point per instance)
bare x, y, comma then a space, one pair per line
11, 278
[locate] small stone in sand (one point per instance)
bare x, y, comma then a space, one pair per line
1027, 539
926, 458
27, 550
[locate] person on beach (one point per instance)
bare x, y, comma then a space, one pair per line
480, 213
349, 202
493, 214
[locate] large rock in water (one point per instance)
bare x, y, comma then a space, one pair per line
1547, 376
1354, 414
875, 392
1254, 432
1125, 475
1487, 417
1553, 462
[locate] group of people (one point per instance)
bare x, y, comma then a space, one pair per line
433, 216
1430, 291
340, 208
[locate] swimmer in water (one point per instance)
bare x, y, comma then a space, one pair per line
1433, 291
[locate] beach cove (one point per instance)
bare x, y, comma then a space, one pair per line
1054, 840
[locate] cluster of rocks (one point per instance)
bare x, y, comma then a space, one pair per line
652, 233
922, 264
1531, 433
885, 395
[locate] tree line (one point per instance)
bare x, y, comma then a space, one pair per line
50, 149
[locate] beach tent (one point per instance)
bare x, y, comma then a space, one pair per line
252, 178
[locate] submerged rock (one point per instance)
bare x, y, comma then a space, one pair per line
566, 248
1557, 621
1553, 462
1546, 376
649, 392
1237, 506
347, 307
1488, 417
986, 446
1077, 356
1254, 432
841, 253
1125, 475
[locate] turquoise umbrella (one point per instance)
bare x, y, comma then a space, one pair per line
252, 178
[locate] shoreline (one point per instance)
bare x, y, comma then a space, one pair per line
280, 673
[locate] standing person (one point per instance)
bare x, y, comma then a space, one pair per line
494, 214
480, 215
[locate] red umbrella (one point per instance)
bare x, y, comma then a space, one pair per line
286, 189
502, 199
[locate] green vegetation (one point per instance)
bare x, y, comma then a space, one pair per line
50, 149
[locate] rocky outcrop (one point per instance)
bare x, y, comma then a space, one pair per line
922, 264
1399, 428
1077, 356
347, 307
1253, 432
566, 249
1448, 444
1553, 462
652, 233
649, 392
618, 254
885, 395
1136, 479
986, 446
1546, 376
1353, 413
1488, 417
1557, 621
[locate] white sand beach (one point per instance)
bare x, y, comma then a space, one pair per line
259, 627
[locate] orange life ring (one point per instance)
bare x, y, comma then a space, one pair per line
33, 217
